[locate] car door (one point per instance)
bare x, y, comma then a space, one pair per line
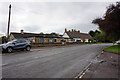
22, 43
19, 44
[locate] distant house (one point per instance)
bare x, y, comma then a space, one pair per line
76, 36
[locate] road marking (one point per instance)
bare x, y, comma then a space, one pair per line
87, 67
82, 75
4, 65
36, 57
83, 71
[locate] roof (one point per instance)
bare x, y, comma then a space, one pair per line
78, 35
27, 35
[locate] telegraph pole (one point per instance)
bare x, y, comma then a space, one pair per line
8, 22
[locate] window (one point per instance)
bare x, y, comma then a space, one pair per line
17, 41
55, 40
41, 40
23, 41
50, 41
72, 39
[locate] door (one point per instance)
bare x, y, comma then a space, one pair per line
19, 44
41, 40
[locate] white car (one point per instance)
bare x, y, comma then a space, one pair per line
118, 42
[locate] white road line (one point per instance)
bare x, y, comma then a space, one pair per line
3, 65
83, 71
87, 67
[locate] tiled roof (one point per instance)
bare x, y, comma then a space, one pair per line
78, 35
27, 35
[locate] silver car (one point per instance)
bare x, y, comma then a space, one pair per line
18, 44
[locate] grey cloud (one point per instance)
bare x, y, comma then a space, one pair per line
3, 27
32, 28
54, 16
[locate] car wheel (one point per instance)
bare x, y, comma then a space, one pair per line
9, 49
28, 48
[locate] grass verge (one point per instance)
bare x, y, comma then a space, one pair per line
114, 49
95, 43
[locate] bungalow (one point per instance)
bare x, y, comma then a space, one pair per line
36, 38
76, 36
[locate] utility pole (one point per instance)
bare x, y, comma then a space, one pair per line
8, 22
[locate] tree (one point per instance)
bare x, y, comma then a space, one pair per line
92, 33
110, 23
4, 39
41, 33
99, 36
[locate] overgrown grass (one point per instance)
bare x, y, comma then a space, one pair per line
115, 48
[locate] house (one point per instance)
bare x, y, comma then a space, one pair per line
22, 35
37, 39
76, 36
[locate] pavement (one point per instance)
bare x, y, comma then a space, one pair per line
54, 62
106, 65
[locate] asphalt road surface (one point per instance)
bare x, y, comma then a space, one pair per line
59, 62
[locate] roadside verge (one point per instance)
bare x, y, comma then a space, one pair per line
106, 65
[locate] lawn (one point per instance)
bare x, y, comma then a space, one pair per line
95, 43
115, 48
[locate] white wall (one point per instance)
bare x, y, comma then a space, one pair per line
78, 39
86, 40
65, 35
70, 40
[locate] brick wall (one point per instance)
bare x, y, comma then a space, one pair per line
45, 44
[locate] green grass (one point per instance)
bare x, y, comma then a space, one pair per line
91, 43
115, 49
95, 43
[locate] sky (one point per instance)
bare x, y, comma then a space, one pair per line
47, 17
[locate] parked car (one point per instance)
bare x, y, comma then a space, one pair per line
18, 44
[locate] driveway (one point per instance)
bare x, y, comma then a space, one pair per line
59, 62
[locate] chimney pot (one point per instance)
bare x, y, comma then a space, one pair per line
22, 31
65, 30
72, 30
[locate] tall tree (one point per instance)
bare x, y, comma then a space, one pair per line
92, 33
110, 23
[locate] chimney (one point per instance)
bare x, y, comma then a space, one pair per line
72, 30
22, 31
65, 30
79, 31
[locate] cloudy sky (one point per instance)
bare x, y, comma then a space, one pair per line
50, 17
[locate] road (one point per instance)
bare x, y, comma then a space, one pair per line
59, 62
